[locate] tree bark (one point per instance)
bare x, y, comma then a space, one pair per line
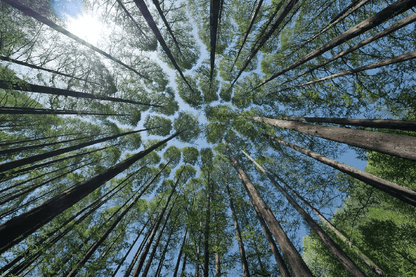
180, 254
94, 247
367, 261
37, 139
400, 192
7, 59
162, 259
29, 12
23, 86
253, 18
244, 263
152, 24
214, 9
398, 59
371, 123
39, 157
294, 259
348, 264
18, 228
395, 145
402, 23
22, 110
289, 6
394, 9
206, 233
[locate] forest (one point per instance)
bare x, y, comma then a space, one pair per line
207, 138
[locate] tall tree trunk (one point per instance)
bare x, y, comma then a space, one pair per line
371, 123
150, 260
294, 259
400, 192
37, 139
398, 59
198, 251
289, 6
7, 59
152, 24
30, 147
402, 23
184, 264
244, 263
253, 18
394, 9
399, 146
22, 110
153, 233
94, 247
207, 232
23, 86
180, 253
159, 10
132, 19
329, 243
367, 261
217, 254
33, 167
43, 156
18, 228
214, 9
29, 12
343, 14
162, 259
48, 240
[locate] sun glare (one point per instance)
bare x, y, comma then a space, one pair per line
85, 27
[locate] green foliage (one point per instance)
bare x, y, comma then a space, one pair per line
164, 125
189, 123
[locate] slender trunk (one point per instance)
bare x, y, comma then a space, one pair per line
371, 123
297, 265
152, 24
180, 254
348, 264
289, 6
23, 86
18, 228
94, 247
198, 251
335, 21
29, 12
39, 157
33, 167
244, 263
217, 254
30, 147
394, 9
159, 10
162, 259
133, 20
400, 192
395, 145
214, 9
367, 261
37, 139
404, 22
17, 194
22, 110
153, 233
206, 234
152, 254
253, 18
7, 59
398, 59
184, 264
40, 245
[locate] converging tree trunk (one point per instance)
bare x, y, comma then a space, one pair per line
175, 272
400, 192
207, 231
298, 266
394, 9
23, 86
22, 110
29, 12
244, 263
214, 9
395, 145
371, 123
18, 228
367, 261
349, 265
152, 24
